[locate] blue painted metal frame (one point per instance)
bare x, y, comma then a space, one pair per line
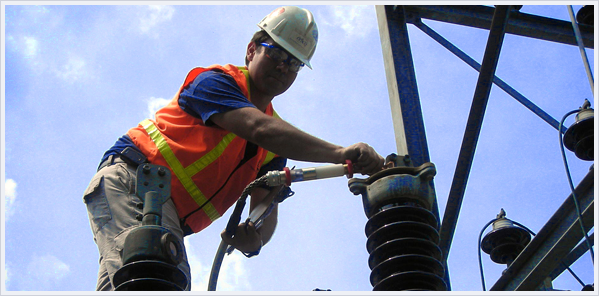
412, 114
553, 243
406, 86
521, 24
572, 257
409, 98
472, 63
473, 127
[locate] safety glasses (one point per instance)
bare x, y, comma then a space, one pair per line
279, 55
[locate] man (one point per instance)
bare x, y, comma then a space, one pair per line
219, 133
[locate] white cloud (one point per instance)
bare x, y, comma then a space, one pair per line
27, 46
44, 273
232, 276
154, 15
73, 70
31, 47
199, 272
355, 20
154, 104
10, 194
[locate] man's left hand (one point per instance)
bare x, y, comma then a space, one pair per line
246, 239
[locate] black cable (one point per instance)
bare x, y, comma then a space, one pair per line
234, 220
218, 261
480, 260
561, 142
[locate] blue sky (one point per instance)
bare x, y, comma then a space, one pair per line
77, 77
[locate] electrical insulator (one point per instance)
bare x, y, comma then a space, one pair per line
151, 252
402, 231
506, 241
579, 136
585, 15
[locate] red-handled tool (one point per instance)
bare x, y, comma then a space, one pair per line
287, 176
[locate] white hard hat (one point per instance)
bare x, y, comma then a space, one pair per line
294, 29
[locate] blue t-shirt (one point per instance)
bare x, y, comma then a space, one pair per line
210, 93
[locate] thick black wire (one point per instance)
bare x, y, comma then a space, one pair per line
231, 226
561, 142
480, 261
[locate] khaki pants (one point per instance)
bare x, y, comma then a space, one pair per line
112, 209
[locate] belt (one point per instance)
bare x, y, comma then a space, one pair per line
128, 156
112, 159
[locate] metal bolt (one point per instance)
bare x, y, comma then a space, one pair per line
140, 205
161, 172
139, 217
146, 169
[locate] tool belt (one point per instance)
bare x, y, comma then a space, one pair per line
128, 155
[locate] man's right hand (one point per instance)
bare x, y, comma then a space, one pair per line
365, 159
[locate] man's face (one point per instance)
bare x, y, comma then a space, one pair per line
269, 77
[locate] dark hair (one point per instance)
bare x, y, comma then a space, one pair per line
258, 38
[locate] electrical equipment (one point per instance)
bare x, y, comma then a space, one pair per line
402, 231
505, 241
579, 136
151, 252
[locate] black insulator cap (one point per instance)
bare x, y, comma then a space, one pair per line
585, 15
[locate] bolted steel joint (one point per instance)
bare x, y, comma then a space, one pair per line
146, 169
161, 171
396, 185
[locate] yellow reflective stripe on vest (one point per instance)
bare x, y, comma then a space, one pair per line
269, 157
179, 170
211, 156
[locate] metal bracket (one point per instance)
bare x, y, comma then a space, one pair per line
153, 186
151, 177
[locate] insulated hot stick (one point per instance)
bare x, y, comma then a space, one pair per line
279, 178
284, 177
287, 176
257, 216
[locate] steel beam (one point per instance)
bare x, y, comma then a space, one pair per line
572, 257
473, 126
472, 63
401, 82
406, 110
521, 24
553, 243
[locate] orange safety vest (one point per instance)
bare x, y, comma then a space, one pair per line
204, 161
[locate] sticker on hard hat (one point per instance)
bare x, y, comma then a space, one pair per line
300, 40
277, 12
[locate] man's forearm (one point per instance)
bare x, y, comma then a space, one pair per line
278, 136
288, 141
282, 138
